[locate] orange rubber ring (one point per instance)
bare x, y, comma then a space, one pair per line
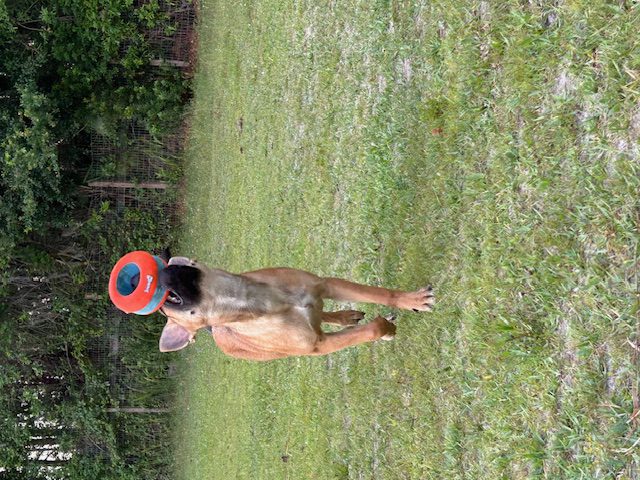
146, 288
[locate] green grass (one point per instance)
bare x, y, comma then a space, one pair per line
487, 148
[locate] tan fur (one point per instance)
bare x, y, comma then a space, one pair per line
278, 312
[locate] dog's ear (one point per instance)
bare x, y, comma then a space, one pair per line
165, 254
174, 337
182, 261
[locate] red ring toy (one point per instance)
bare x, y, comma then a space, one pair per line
133, 283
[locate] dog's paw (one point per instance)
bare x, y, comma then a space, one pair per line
353, 317
391, 319
419, 301
386, 329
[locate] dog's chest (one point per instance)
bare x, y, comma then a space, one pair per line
287, 331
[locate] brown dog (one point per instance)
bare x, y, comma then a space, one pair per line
272, 313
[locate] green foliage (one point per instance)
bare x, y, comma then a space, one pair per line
6, 27
115, 232
30, 179
101, 59
51, 369
155, 102
67, 67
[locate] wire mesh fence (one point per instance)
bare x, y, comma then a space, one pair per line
173, 43
131, 192
86, 384
131, 188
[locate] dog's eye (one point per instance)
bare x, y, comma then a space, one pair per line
192, 312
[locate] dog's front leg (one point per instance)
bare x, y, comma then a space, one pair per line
379, 328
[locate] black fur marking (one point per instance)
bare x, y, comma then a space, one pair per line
185, 282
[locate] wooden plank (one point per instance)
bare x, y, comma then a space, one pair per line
156, 185
174, 63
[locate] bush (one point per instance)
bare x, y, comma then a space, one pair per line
68, 66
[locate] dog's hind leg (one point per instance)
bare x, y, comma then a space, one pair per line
338, 289
344, 318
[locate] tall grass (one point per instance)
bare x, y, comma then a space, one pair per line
490, 149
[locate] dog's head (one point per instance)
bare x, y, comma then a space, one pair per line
183, 278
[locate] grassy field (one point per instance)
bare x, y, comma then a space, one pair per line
487, 148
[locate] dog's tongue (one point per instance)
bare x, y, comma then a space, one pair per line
174, 298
